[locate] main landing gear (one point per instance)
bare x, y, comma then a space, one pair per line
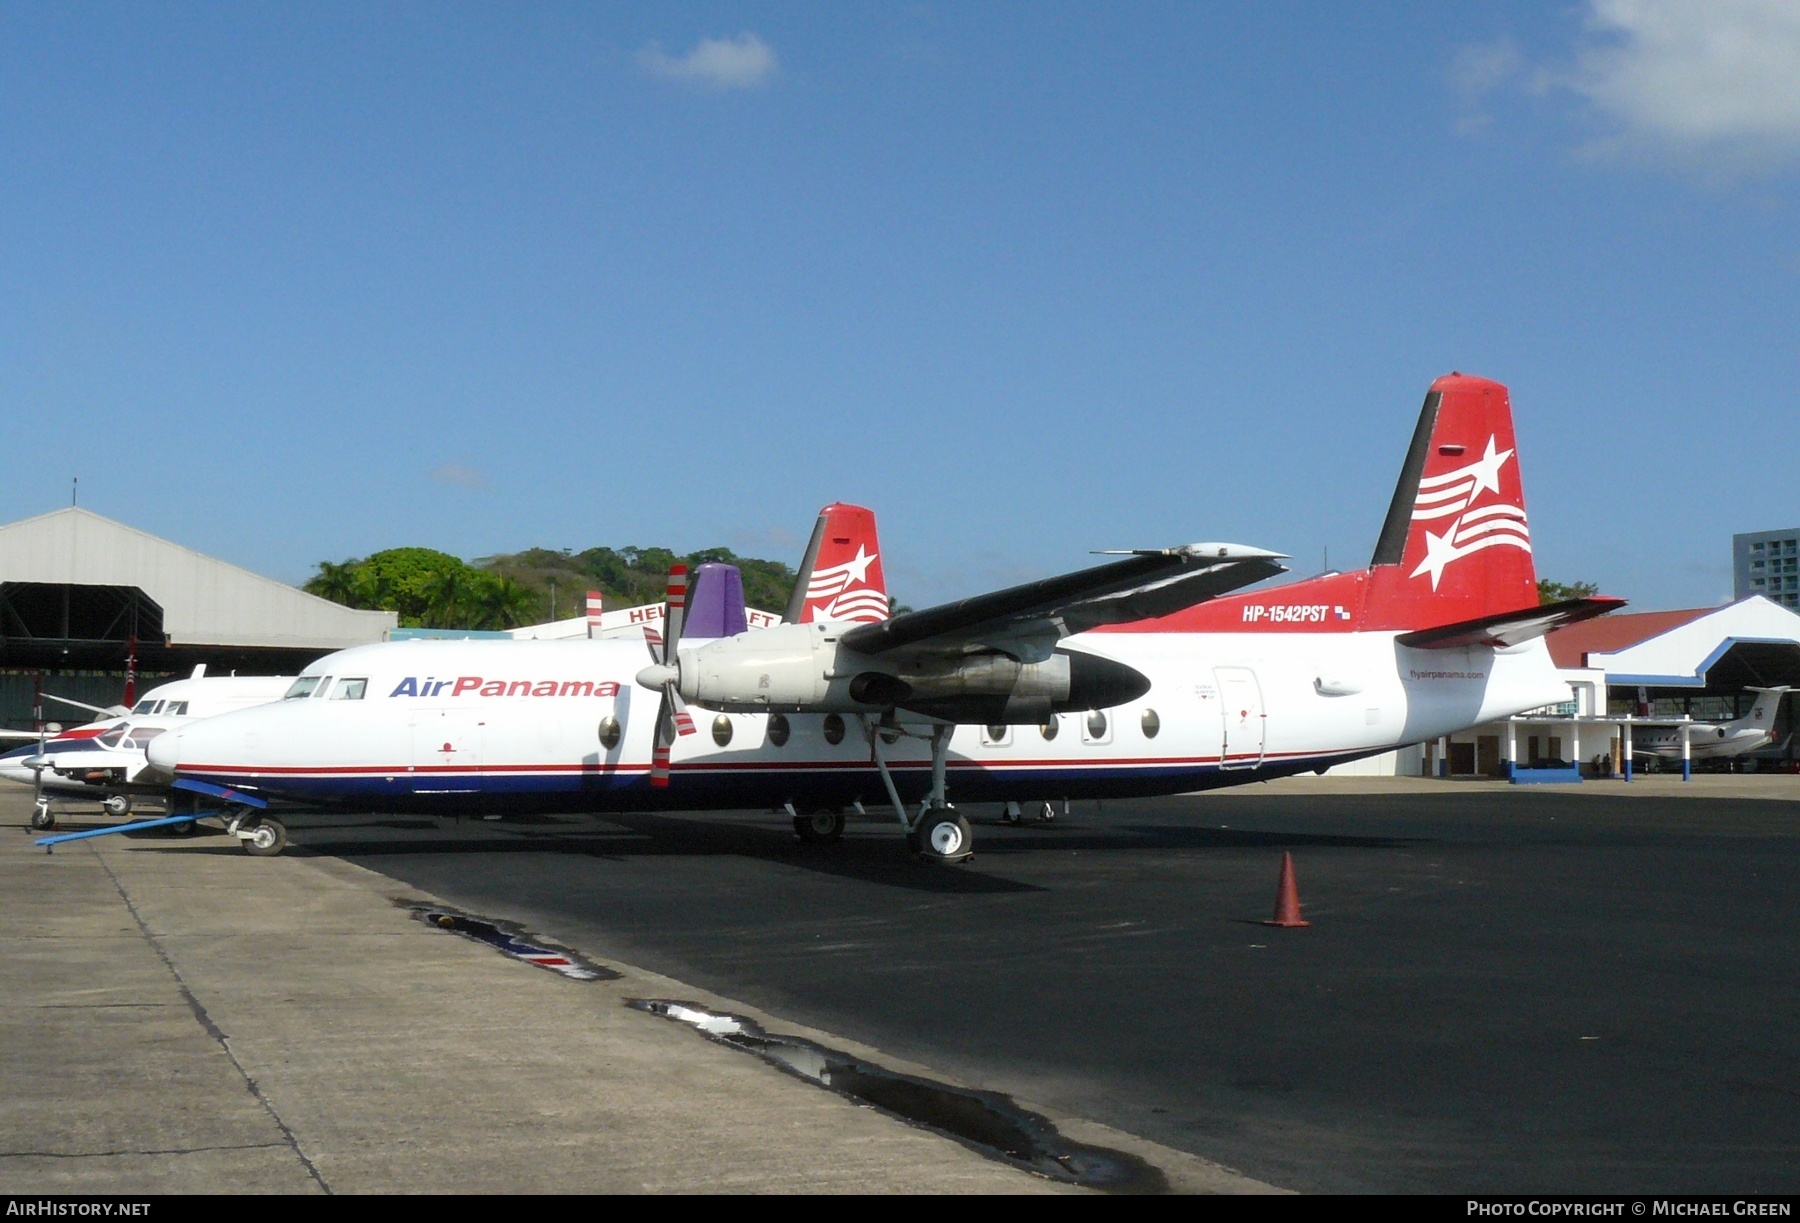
1046, 813
937, 833
818, 826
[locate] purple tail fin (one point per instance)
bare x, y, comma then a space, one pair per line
716, 602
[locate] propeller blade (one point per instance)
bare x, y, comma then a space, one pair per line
677, 611
684, 722
672, 717
659, 752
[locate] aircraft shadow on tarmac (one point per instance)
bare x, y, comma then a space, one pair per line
875, 858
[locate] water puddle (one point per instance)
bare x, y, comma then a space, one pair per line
511, 940
987, 1121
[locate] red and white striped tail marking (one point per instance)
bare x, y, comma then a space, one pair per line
1471, 527
846, 581
594, 609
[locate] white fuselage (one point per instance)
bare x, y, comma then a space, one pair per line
108, 756
560, 725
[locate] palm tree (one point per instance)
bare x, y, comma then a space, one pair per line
336, 582
500, 602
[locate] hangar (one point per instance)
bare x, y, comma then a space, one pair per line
82, 597
1691, 663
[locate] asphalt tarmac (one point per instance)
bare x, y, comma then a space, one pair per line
1504, 989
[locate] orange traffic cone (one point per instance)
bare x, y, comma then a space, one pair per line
1287, 897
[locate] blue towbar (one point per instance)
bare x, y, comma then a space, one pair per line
48, 842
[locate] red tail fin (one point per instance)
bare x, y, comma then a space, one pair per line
1456, 545
841, 577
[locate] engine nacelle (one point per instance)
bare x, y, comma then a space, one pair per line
802, 668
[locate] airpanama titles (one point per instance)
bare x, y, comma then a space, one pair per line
475, 685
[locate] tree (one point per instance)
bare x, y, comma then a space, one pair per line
1556, 592
336, 582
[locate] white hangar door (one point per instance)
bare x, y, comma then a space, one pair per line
1240, 704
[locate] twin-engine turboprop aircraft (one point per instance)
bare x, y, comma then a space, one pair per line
1141, 676
105, 761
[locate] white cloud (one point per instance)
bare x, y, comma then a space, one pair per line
460, 475
1475, 72
718, 63
1696, 76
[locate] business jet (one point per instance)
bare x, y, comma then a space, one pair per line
104, 761
1155, 674
1711, 740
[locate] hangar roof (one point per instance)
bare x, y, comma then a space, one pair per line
204, 601
1569, 647
1679, 648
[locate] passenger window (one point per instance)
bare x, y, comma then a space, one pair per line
350, 690
834, 729
778, 730
302, 688
1096, 728
997, 735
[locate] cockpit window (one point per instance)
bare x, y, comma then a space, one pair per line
302, 688
144, 706
324, 687
177, 709
349, 690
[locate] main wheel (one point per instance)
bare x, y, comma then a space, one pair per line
117, 804
186, 828
819, 826
942, 836
41, 818
267, 839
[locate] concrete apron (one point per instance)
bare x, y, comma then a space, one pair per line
180, 1017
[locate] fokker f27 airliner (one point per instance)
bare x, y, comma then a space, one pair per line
1142, 676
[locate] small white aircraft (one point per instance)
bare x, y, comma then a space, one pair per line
104, 761
1709, 740
1142, 676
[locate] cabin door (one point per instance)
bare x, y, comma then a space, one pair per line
1241, 705
447, 752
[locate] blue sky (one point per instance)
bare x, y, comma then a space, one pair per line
298, 282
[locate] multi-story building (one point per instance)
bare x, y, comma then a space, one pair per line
1767, 563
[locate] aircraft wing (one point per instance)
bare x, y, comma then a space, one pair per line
1510, 628
1027, 621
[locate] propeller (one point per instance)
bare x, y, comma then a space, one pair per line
672, 717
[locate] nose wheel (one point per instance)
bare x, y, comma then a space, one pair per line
41, 819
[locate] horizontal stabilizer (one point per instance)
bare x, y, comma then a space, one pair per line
1510, 628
